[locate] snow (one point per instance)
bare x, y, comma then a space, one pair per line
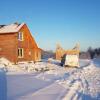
3, 88
20, 85
85, 81
10, 28
96, 61
47, 80
7, 66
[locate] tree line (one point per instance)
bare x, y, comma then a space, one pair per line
93, 52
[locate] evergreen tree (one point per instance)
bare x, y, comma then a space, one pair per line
91, 52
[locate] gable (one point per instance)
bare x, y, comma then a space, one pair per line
28, 34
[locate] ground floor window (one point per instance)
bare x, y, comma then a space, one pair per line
20, 52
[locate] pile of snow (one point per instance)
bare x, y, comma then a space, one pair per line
7, 66
53, 61
31, 66
92, 77
84, 83
34, 67
5, 61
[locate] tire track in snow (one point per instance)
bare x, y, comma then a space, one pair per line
78, 85
73, 91
73, 86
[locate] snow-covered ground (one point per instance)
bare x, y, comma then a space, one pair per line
49, 81
3, 86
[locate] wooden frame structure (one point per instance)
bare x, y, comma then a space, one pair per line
60, 51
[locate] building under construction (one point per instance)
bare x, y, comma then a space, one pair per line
60, 52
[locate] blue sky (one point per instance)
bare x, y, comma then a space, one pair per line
56, 21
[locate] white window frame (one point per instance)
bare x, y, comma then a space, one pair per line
20, 36
20, 52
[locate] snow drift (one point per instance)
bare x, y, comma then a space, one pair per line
48, 80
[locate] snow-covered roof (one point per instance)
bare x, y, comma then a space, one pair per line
15, 27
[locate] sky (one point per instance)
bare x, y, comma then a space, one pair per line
52, 22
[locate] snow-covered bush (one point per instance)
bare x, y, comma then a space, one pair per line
5, 64
53, 61
5, 61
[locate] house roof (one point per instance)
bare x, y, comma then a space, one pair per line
15, 27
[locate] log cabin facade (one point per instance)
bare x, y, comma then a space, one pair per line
17, 43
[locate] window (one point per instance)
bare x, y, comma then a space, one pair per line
20, 36
20, 52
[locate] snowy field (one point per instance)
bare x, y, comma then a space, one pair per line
49, 81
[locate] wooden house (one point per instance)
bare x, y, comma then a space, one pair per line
17, 43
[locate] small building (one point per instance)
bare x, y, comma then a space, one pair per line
17, 43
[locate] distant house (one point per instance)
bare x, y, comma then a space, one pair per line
17, 43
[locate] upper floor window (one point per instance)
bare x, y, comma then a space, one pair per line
20, 36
